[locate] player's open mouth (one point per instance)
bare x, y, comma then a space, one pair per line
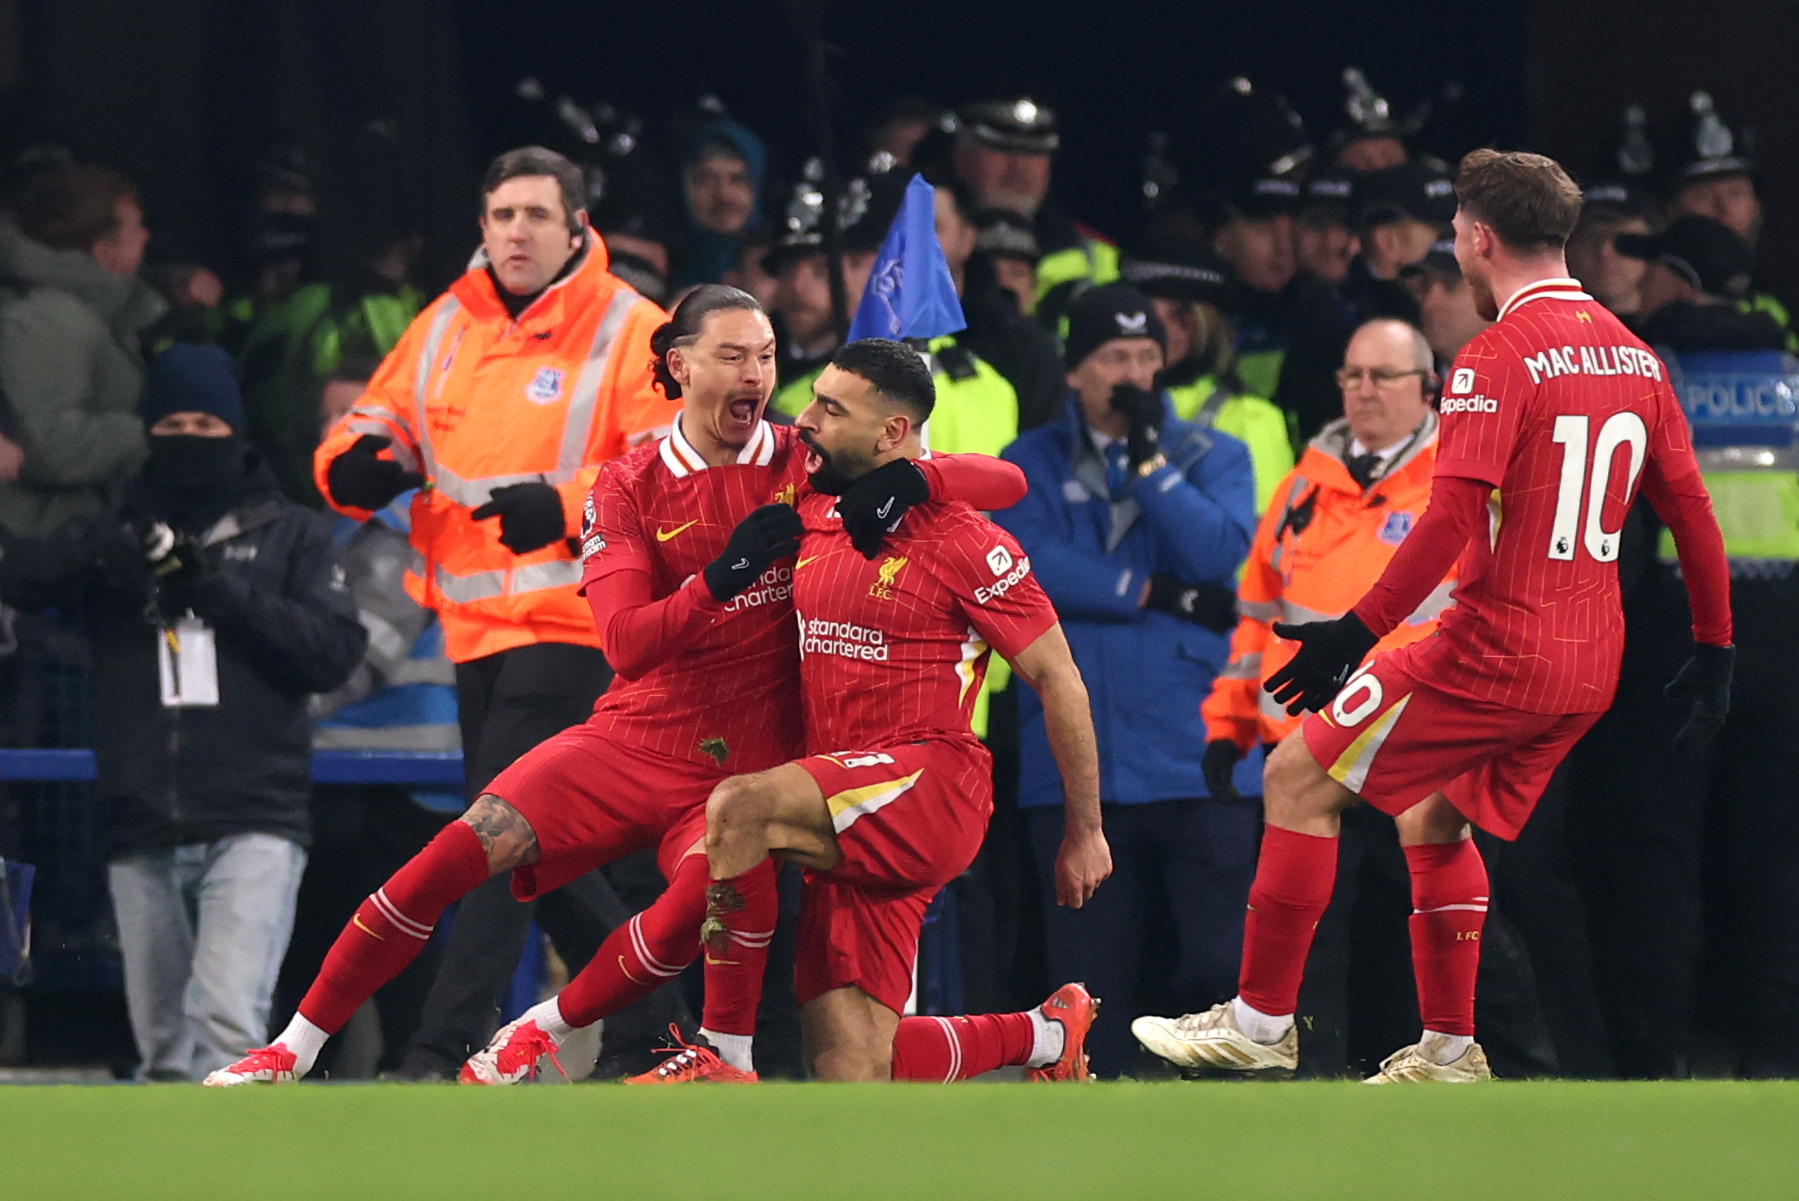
743, 409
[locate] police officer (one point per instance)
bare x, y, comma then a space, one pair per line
1008, 244
1400, 213
1003, 152
1446, 311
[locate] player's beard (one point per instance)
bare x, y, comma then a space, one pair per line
834, 473
1480, 290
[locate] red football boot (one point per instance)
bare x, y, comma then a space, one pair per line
689, 1064
1074, 1007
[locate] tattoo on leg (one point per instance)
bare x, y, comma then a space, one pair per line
503, 830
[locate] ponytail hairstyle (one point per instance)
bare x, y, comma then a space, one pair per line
684, 325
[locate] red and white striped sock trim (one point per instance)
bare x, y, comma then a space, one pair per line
753, 940
639, 944
1478, 905
400, 921
955, 1050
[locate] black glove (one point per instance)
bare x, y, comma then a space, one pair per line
359, 479
770, 533
1210, 605
1704, 683
1328, 652
1144, 411
871, 508
530, 516
178, 567
1221, 757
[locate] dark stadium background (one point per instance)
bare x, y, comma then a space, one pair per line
184, 94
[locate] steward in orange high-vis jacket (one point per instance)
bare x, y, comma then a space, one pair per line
499, 404
1323, 542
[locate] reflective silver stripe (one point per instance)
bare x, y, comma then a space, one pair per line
422, 379
1432, 606
577, 423
557, 573
387, 738
377, 413
582, 400
1295, 614
466, 589
486, 585
1300, 484
1270, 708
1259, 610
1249, 667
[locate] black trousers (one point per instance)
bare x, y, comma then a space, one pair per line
1165, 932
1693, 853
509, 703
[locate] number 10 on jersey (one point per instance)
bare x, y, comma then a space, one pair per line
1620, 429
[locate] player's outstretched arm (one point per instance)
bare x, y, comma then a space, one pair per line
1685, 507
1085, 859
1330, 650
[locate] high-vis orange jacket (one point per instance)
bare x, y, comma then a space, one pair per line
1321, 545
478, 400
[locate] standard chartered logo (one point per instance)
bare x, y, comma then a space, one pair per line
843, 638
775, 584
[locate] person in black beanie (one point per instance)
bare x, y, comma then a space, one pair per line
214, 607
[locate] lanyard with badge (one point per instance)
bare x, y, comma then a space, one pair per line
186, 649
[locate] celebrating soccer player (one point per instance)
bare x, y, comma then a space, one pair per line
1551, 420
892, 801
687, 570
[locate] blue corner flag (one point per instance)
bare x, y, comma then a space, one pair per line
910, 293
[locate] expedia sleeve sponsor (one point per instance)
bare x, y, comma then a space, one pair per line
1005, 584
843, 638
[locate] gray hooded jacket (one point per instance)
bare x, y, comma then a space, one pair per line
71, 370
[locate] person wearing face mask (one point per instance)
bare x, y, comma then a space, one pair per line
214, 607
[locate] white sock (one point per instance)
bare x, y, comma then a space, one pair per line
1444, 1049
305, 1040
1264, 1028
548, 1016
734, 1049
1047, 1040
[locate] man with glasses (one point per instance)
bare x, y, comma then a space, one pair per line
1334, 522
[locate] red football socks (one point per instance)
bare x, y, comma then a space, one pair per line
1449, 907
1294, 878
643, 954
392, 925
737, 954
944, 1049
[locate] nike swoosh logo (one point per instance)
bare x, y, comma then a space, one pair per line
356, 920
799, 563
720, 962
663, 535
885, 509
628, 975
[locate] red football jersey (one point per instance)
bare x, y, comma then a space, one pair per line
1565, 412
731, 698
895, 649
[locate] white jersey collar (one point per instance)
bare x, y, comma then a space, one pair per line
1563, 288
682, 460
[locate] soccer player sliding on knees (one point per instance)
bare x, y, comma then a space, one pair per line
687, 554
1552, 420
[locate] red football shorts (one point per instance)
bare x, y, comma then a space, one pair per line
909, 819
591, 799
1392, 739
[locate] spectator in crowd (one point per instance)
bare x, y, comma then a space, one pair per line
1135, 523
1697, 274
1446, 310
71, 310
1003, 151
1613, 279
1370, 138
1008, 244
214, 607
1190, 287
1323, 241
1018, 348
540, 339
1699, 852
751, 273
1254, 234
1401, 212
721, 183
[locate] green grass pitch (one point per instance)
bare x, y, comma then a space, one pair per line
988, 1141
